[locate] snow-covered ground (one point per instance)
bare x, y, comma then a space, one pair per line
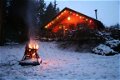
58, 64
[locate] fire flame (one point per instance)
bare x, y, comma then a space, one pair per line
33, 45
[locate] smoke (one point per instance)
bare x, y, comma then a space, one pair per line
31, 19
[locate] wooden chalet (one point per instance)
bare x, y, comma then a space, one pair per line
68, 20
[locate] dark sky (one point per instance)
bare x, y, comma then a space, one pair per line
108, 10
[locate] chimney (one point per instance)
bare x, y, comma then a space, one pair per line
96, 13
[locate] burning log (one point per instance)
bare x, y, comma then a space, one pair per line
31, 56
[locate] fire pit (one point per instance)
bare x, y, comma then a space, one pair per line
31, 56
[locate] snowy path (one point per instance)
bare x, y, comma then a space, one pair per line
58, 65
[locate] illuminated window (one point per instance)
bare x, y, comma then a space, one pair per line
68, 18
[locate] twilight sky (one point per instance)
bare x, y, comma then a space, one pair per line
108, 10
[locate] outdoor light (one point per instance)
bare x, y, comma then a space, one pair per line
76, 14
65, 11
46, 27
61, 13
80, 17
90, 21
70, 12
52, 22
86, 19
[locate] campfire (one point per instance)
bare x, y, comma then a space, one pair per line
31, 56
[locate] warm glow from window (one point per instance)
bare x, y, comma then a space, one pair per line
68, 18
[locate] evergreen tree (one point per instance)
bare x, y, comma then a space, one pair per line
56, 8
46, 13
16, 28
51, 11
41, 7
2, 21
41, 11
